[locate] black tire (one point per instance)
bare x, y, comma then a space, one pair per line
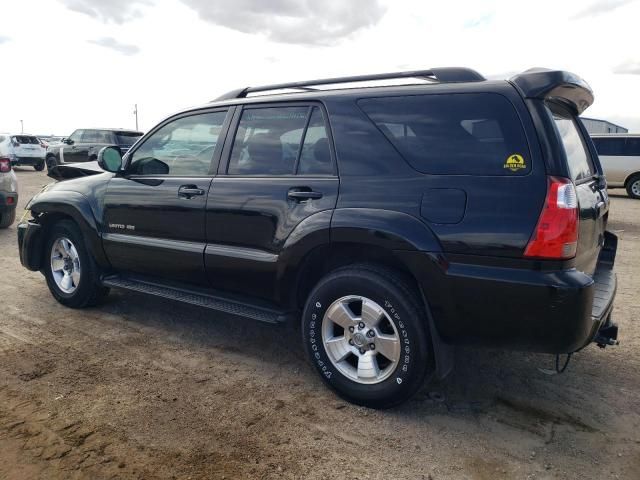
402, 305
51, 162
633, 184
89, 291
7, 218
39, 166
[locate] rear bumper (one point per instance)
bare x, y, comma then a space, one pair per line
524, 309
27, 160
30, 245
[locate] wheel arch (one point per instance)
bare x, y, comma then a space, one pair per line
52, 207
629, 177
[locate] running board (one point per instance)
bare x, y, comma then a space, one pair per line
201, 299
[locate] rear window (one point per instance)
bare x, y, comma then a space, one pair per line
617, 146
127, 138
26, 140
453, 134
578, 159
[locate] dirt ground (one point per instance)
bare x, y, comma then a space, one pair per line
145, 388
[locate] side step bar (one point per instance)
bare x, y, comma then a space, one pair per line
201, 299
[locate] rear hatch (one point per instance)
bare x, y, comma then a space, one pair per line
27, 146
573, 220
585, 172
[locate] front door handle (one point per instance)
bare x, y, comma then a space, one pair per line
188, 191
301, 194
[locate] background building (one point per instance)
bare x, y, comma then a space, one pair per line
594, 125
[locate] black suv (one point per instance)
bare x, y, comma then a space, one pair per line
398, 220
83, 145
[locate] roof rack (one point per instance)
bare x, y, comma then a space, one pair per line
442, 75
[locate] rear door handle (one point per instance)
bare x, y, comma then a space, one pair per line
188, 191
300, 194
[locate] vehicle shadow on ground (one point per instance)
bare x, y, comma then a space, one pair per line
484, 382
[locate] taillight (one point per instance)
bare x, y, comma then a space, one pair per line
556, 235
5, 165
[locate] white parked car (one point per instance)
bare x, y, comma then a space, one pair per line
620, 158
23, 149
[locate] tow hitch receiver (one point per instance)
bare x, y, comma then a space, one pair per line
607, 335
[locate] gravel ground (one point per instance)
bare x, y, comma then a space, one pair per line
145, 388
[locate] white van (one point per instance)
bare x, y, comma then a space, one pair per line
23, 149
620, 158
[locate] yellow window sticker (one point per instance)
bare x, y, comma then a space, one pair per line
515, 162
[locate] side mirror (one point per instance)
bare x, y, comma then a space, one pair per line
68, 141
110, 159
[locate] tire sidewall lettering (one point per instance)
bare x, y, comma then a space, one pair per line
320, 358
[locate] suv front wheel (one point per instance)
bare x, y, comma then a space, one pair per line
72, 275
365, 332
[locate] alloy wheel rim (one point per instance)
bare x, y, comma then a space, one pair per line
635, 188
65, 265
360, 339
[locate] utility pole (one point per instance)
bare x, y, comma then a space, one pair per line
21, 126
135, 112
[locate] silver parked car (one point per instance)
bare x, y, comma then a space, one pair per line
8, 192
620, 158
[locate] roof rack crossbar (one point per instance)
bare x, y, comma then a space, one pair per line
443, 75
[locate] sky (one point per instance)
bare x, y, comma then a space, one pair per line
70, 64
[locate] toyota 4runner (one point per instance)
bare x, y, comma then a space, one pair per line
396, 221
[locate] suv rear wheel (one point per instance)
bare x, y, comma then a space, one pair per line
72, 275
633, 186
39, 166
364, 331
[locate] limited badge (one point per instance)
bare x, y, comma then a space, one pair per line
515, 162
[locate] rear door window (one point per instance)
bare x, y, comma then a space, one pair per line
578, 158
268, 141
315, 157
453, 134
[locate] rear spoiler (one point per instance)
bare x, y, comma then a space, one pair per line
558, 85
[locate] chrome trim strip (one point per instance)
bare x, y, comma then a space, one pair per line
241, 252
194, 247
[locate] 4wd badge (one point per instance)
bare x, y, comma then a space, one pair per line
515, 162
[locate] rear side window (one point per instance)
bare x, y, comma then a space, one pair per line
96, 136
617, 146
578, 159
127, 138
453, 134
26, 140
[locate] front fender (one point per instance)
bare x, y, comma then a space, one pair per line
51, 205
